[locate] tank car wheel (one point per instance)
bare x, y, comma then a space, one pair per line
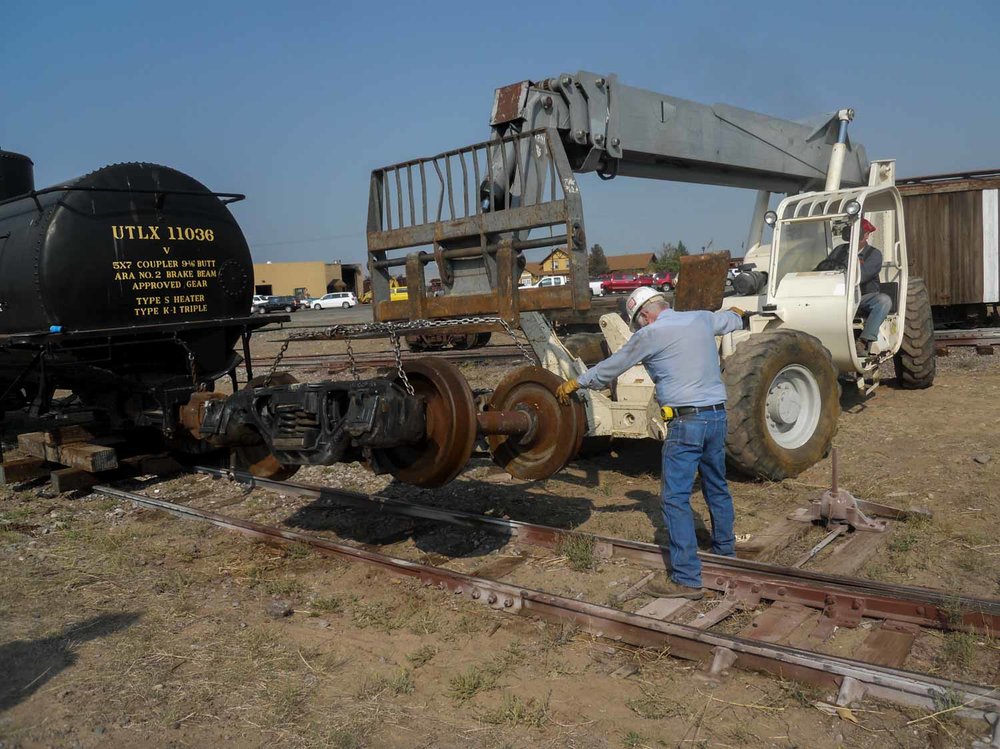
483, 339
558, 430
450, 429
253, 456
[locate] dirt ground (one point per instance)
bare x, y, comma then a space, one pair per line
126, 627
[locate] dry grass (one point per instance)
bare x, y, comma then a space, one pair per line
516, 711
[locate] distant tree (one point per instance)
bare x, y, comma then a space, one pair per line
669, 257
597, 263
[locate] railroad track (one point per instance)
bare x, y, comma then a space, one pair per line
983, 339
785, 602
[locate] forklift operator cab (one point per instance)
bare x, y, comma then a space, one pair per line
807, 229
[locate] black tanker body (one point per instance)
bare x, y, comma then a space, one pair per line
129, 286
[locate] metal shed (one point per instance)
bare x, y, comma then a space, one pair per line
952, 226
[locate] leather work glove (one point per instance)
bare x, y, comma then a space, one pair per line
564, 391
737, 310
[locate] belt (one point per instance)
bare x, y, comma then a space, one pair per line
675, 411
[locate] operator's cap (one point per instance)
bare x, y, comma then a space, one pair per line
867, 226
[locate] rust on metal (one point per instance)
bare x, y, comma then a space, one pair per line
702, 282
508, 102
558, 430
906, 604
192, 413
514, 422
683, 641
450, 414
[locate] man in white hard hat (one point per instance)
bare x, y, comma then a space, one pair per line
678, 350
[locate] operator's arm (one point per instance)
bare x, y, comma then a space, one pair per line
871, 266
636, 348
726, 321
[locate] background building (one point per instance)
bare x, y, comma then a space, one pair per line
312, 279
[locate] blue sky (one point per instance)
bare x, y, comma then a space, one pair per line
294, 103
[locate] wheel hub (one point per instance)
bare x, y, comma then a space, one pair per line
793, 406
783, 404
556, 431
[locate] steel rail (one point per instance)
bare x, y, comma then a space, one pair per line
843, 599
854, 679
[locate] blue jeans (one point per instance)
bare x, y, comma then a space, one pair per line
874, 307
696, 442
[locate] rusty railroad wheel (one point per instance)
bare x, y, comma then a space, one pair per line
451, 427
558, 431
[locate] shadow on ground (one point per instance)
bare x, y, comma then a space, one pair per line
26, 665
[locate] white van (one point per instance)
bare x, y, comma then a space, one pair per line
547, 281
345, 299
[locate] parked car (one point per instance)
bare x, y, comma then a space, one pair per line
274, 304
547, 281
625, 283
344, 299
664, 280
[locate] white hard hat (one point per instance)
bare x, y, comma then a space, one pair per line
637, 299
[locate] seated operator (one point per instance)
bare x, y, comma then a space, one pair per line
874, 306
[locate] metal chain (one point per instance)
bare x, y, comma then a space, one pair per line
276, 362
352, 360
517, 342
192, 367
394, 329
399, 365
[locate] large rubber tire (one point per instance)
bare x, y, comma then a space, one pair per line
782, 435
916, 360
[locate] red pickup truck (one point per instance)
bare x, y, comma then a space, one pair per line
624, 283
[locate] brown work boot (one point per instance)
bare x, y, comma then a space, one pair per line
862, 347
667, 588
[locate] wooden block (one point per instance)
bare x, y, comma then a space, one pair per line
69, 479
777, 622
21, 469
984, 350
848, 556
723, 610
942, 351
68, 435
766, 545
663, 608
75, 455
888, 646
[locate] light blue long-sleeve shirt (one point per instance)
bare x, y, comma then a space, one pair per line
679, 352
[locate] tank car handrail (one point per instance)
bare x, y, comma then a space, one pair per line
228, 197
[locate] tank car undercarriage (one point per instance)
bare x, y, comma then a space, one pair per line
420, 426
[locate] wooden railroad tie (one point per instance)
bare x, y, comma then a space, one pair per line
76, 457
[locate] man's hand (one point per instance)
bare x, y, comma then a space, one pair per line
564, 391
